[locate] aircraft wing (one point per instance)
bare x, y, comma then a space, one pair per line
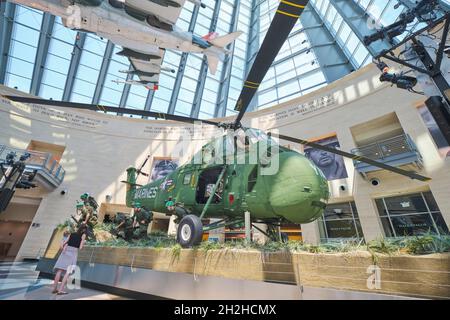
146, 66
165, 10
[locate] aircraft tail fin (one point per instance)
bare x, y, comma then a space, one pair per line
213, 61
213, 54
223, 41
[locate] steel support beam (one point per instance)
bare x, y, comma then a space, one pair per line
126, 90
253, 37
149, 100
437, 76
224, 87
103, 71
358, 21
7, 13
204, 67
252, 49
74, 63
48, 21
181, 68
334, 62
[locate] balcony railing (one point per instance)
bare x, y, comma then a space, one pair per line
396, 151
45, 164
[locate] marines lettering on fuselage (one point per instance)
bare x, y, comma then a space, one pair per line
144, 193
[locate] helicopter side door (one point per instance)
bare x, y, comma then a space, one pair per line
207, 178
186, 187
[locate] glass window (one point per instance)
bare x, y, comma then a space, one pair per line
411, 215
340, 221
187, 178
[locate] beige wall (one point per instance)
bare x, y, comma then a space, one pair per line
22, 211
100, 147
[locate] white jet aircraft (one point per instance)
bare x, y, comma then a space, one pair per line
143, 28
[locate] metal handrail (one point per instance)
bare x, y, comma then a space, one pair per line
38, 160
387, 148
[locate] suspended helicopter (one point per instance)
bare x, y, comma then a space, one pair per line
143, 28
221, 186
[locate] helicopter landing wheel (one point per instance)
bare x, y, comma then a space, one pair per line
190, 231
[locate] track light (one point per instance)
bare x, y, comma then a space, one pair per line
402, 82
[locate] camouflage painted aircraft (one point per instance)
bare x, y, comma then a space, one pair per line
219, 186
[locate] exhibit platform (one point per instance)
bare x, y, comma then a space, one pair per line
241, 274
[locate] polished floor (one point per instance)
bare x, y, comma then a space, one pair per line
20, 281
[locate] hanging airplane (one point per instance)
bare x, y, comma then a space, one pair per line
297, 192
143, 28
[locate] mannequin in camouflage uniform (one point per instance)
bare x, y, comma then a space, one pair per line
88, 215
142, 219
124, 226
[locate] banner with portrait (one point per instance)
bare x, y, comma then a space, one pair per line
161, 167
435, 132
332, 165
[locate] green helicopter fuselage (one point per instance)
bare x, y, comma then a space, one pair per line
283, 185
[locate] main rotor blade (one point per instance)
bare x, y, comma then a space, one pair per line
381, 165
98, 107
282, 24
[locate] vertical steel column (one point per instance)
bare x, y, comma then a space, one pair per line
248, 227
8, 10
252, 47
358, 20
149, 100
332, 59
103, 71
126, 90
48, 21
224, 86
204, 67
181, 68
253, 38
74, 63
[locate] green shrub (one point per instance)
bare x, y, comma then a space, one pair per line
382, 245
429, 243
425, 244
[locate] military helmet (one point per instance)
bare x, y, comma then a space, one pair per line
84, 196
170, 203
136, 204
79, 205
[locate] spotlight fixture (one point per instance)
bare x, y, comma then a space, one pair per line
402, 81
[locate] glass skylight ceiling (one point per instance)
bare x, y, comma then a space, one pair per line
296, 71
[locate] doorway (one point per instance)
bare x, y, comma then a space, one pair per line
15, 222
206, 182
